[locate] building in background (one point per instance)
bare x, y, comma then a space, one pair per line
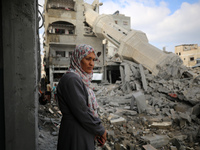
65, 27
189, 53
43, 73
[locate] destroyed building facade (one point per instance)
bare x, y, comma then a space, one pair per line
134, 45
155, 103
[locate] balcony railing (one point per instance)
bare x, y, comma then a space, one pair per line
61, 39
61, 13
60, 61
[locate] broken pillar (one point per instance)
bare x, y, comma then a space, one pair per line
134, 45
144, 82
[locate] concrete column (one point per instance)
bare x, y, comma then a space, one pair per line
122, 74
51, 75
104, 62
20, 64
105, 73
2, 115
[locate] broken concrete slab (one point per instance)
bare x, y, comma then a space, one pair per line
127, 72
140, 101
182, 108
129, 113
156, 141
196, 109
161, 125
114, 104
113, 116
144, 82
148, 147
185, 116
118, 120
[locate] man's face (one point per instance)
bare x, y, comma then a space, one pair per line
87, 63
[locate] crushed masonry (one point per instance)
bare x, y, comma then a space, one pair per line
143, 111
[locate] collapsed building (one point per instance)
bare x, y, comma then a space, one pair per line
19, 92
68, 24
148, 112
154, 83
155, 101
133, 45
143, 111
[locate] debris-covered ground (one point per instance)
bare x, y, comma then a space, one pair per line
140, 112
48, 124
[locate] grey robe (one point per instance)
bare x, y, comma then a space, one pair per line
78, 125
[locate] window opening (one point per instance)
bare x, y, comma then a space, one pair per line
191, 58
60, 53
60, 31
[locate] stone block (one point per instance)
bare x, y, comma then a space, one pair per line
140, 101
196, 109
185, 116
144, 82
182, 108
118, 120
156, 141
114, 104
112, 116
117, 146
148, 147
173, 148
129, 112
161, 125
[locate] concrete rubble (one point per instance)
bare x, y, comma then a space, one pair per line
48, 123
143, 111
149, 112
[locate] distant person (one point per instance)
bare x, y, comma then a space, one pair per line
42, 82
48, 92
80, 124
42, 98
54, 92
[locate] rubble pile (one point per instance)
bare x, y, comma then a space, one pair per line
146, 112
48, 123
139, 112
